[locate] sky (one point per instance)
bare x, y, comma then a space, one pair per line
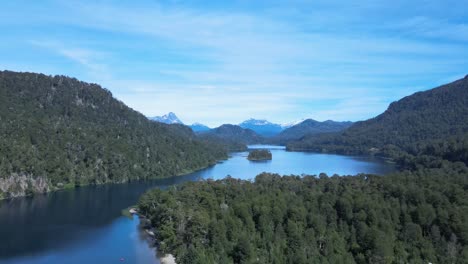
218, 62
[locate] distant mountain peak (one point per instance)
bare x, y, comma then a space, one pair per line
169, 118
199, 127
257, 122
290, 124
261, 126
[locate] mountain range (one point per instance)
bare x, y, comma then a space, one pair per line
171, 118
280, 133
262, 127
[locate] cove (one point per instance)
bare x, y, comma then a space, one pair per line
85, 225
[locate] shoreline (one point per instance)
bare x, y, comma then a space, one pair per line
51, 189
148, 232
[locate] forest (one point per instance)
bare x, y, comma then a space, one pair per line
406, 217
58, 132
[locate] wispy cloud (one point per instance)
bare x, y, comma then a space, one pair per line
85, 57
280, 61
433, 28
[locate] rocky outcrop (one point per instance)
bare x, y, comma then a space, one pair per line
21, 185
168, 259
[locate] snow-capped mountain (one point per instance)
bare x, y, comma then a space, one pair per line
262, 127
197, 127
169, 118
291, 124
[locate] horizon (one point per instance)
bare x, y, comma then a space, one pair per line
216, 63
297, 121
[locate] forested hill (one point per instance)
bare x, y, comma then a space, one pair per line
234, 133
58, 132
413, 124
309, 127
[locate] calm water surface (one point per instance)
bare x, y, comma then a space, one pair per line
85, 225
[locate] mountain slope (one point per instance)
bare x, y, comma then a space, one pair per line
262, 127
290, 124
169, 118
197, 127
235, 134
407, 125
310, 127
59, 132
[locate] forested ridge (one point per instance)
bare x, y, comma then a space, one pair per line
407, 217
308, 127
431, 123
234, 137
58, 132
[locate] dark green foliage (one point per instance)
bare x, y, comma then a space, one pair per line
430, 125
75, 133
408, 217
225, 143
259, 154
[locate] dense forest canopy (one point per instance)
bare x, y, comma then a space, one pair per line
410, 217
59, 132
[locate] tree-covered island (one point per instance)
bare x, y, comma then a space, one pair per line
259, 154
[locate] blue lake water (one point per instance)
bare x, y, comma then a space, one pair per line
85, 225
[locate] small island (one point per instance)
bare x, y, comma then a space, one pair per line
259, 154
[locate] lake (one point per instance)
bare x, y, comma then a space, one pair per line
85, 225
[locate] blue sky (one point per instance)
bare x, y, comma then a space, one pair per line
223, 62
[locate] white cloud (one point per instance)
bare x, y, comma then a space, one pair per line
279, 64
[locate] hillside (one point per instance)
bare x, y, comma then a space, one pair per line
423, 123
234, 133
197, 127
309, 127
58, 132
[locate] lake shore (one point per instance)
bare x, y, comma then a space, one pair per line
149, 233
42, 186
